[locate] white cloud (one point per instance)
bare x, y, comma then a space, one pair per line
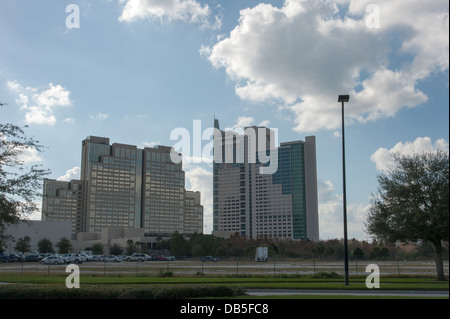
331, 214
40, 104
99, 116
69, 120
151, 144
189, 11
29, 155
200, 179
245, 121
13, 85
305, 53
383, 158
73, 173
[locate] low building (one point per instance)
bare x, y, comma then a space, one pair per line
36, 230
113, 236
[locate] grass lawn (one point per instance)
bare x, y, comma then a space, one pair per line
246, 282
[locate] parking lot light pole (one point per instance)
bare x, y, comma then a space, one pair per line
343, 99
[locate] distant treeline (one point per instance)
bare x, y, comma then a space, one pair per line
203, 245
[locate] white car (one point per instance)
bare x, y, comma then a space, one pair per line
72, 258
52, 260
87, 257
112, 259
138, 257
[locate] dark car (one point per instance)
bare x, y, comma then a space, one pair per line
9, 258
209, 258
33, 258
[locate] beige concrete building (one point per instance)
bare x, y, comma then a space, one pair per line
124, 186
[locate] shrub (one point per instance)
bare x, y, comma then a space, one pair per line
326, 275
165, 273
52, 291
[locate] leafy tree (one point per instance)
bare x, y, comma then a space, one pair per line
45, 246
23, 244
412, 203
19, 185
197, 250
64, 246
114, 250
358, 253
131, 247
97, 249
178, 245
319, 249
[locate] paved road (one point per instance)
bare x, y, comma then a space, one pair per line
384, 293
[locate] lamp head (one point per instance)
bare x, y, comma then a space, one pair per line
344, 98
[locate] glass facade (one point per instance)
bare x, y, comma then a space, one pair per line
127, 187
298, 191
267, 205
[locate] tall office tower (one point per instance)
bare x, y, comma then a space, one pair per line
163, 195
113, 177
122, 185
264, 191
193, 212
63, 201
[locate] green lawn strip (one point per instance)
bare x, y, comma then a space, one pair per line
252, 282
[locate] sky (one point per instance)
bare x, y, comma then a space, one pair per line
136, 70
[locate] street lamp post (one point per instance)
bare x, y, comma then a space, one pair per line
343, 99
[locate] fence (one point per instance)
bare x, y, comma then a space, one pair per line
231, 267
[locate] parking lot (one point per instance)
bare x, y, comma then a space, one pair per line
225, 267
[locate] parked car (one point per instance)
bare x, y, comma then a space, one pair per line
53, 260
137, 257
112, 259
72, 258
12, 258
87, 257
158, 258
33, 258
96, 258
209, 258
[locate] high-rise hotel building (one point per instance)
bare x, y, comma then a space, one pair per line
122, 185
278, 203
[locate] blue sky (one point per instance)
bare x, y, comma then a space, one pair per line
135, 70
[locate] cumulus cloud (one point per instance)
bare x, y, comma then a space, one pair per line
40, 104
99, 116
200, 179
29, 155
189, 11
245, 121
383, 158
331, 214
73, 173
305, 53
151, 144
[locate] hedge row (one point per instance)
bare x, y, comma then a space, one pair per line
116, 292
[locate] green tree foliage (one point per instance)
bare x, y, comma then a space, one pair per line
131, 248
64, 246
178, 245
115, 250
45, 246
97, 249
23, 244
412, 203
20, 184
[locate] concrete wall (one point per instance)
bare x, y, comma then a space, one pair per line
37, 230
